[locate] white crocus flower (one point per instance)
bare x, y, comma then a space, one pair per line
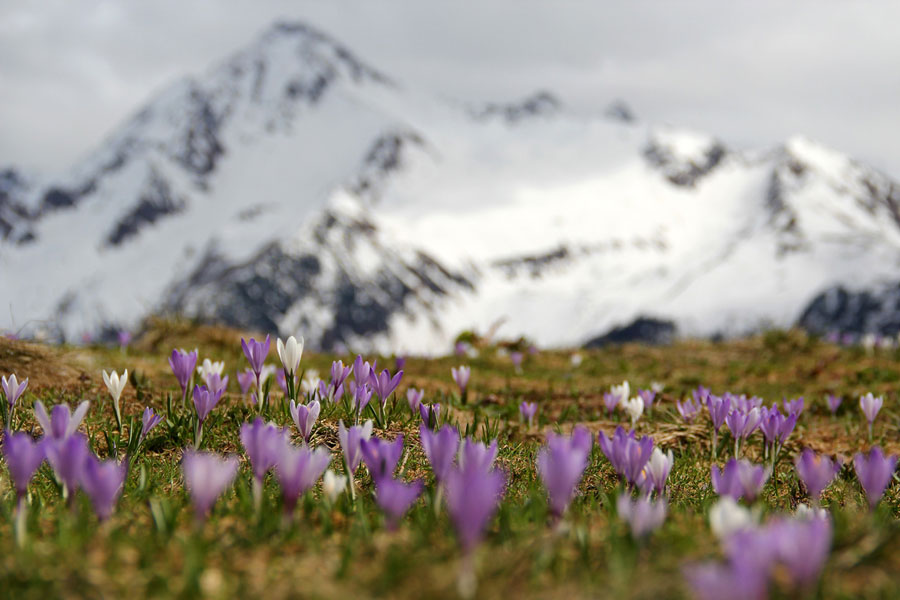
310, 382
727, 516
657, 387
333, 485
116, 385
660, 464
290, 353
621, 391
804, 512
209, 367
576, 360
634, 408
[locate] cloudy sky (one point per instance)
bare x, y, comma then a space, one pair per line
752, 73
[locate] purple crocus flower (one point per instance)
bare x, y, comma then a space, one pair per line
648, 396
183, 365
742, 425
776, 427
740, 479
834, 403
381, 456
13, 389
801, 546
516, 357
103, 481
528, 410
461, 377
627, 455
394, 497
460, 348
384, 385
305, 416
656, 473
298, 470
611, 401
689, 409
23, 457
477, 455
561, 464
643, 515
440, 448
351, 443
124, 337
816, 472
263, 443
256, 353
414, 397
430, 414
245, 379
700, 395
363, 371
735, 580
400, 362
60, 423
473, 495
718, 407
206, 476
794, 406
67, 457
204, 401
149, 420
874, 473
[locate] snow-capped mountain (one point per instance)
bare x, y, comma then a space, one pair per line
294, 188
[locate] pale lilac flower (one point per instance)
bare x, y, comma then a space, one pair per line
351, 443
124, 337
477, 455
395, 497
61, 423
561, 464
734, 580
305, 416
656, 473
23, 457
627, 455
13, 389
149, 420
528, 410
870, 406
643, 515
648, 396
460, 348
440, 448
430, 414
381, 457
834, 403
517, 358
473, 494
216, 384
689, 409
256, 353
816, 472
610, 401
794, 406
103, 483
298, 470
461, 377
245, 379
361, 398
384, 385
206, 476
414, 398
263, 443
801, 546
874, 472
339, 374
740, 479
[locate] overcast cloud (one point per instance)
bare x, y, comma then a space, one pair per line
752, 73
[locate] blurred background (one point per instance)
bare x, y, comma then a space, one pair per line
386, 176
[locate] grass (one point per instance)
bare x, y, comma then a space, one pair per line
152, 548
